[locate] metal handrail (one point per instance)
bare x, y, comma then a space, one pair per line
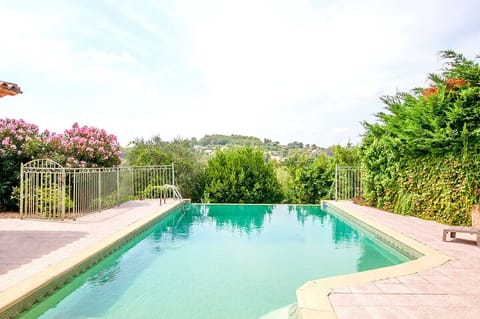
175, 190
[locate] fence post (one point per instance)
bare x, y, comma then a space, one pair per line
63, 192
118, 186
21, 191
132, 182
360, 183
173, 174
99, 190
336, 181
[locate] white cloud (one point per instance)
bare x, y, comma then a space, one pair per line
109, 58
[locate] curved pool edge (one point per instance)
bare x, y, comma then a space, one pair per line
18, 298
313, 297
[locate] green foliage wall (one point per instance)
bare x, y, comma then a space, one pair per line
241, 175
421, 156
439, 188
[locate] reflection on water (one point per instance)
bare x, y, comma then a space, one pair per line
241, 218
343, 233
105, 275
246, 219
309, 213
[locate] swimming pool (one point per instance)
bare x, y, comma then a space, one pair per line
219, 261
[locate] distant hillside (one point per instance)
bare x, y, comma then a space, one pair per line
224, 140
274, 148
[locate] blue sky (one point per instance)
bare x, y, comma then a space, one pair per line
300, 70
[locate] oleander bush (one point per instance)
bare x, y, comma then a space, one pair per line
21, 142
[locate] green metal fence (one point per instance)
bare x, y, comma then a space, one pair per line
48, 190
348, 182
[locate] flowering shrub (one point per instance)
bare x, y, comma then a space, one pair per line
15, 136
16, 140
21, 142
86, 146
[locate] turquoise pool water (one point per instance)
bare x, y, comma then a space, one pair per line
219, 261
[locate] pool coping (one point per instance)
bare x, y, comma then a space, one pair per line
18, 298
313, 297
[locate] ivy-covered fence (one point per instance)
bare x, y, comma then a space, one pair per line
48, 190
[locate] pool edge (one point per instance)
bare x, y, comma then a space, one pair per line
18, 298
313, 297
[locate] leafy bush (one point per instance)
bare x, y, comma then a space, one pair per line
48, 199
241, 175
312, 178
421, 154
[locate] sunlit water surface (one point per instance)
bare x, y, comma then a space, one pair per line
218, 261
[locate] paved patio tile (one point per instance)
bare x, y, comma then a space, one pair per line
412, 279
345, 300
352, 312
386, 312
391, 281
392, 288
366, 289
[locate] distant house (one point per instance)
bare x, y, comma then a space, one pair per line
7, 88
275, 156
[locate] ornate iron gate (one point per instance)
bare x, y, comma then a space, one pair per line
42, 189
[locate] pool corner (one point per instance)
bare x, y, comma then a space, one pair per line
313, 297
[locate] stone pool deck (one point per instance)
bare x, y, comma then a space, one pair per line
450, 290
35, 251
